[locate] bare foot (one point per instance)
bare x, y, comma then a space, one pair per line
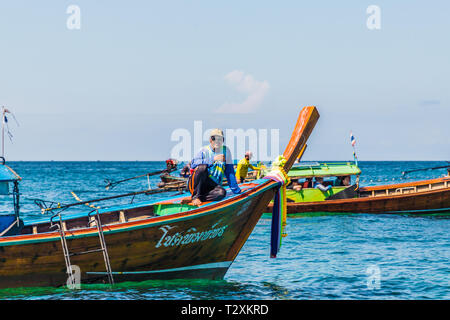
196, 202
186, 200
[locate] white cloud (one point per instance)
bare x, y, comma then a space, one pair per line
245, 83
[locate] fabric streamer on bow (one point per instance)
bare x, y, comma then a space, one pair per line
279, 212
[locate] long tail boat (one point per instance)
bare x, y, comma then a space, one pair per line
419, 197
162, 239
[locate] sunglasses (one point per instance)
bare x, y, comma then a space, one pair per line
213, 138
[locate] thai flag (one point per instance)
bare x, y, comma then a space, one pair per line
352, 139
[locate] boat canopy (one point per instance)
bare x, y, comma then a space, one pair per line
7, 175
310, 170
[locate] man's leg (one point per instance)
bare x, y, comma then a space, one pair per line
196, 182
215, 193
202, 187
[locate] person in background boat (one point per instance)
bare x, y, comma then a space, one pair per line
171, 165
297, 185
186, 170
319, 184
342, 181
208, 168
346, 181
308, 183
242, 167
338, 181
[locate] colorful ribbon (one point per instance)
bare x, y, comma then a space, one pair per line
279, 211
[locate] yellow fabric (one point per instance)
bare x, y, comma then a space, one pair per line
242, 169
283, 210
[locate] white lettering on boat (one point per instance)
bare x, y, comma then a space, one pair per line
189, 236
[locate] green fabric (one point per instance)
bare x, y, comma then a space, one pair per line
309, 195
324, 170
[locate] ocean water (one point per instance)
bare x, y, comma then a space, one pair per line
351, 256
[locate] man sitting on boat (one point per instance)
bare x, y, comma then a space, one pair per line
171, 165
297, 185
186, 170
342, 181
242, 167
208, 168
308, 183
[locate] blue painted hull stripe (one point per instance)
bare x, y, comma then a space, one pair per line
215, 265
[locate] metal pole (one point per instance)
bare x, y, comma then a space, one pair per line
3, 131
16, 196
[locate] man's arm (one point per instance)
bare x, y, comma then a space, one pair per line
231, 178
229, 172
321, 187
198, 159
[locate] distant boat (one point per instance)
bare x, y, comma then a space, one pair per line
419, 197
161, 239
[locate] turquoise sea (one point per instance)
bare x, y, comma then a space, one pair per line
358, 256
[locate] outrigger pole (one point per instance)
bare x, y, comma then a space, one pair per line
88, 202
423, 169
112, 184
171, 165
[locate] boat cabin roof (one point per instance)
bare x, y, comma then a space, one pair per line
7, 174
316, 169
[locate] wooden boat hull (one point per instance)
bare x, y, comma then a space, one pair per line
168, 179
385, 199
199, 244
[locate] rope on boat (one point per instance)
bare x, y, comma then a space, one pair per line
88, 204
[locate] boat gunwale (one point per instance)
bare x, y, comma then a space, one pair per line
369, 198
405, 184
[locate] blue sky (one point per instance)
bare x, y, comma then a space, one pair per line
137, 70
